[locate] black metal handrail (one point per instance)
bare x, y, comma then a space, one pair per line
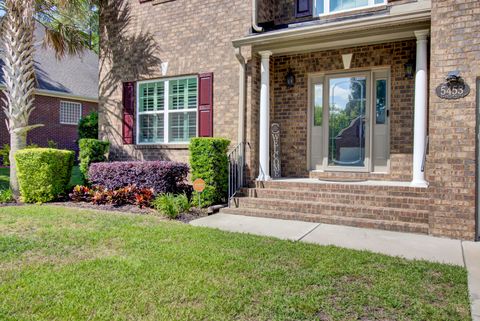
236, 170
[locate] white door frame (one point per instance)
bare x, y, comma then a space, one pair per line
315, 78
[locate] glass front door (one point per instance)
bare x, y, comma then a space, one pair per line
347, 129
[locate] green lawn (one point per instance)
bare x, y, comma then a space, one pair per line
4, 177
76, 178
65, 264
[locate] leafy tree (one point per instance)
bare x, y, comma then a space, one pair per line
64, 22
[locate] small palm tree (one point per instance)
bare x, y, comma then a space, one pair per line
65, 32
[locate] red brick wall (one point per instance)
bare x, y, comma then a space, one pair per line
47, 112
450, 166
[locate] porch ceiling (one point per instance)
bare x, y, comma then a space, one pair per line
398, 24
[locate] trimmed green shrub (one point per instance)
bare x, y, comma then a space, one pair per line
88, 126
91, 151
209, 161
43, 173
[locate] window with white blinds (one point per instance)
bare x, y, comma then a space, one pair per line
70, 112
167, 111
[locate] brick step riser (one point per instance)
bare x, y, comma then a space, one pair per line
389, 226
353, 189
334, 210
338, 198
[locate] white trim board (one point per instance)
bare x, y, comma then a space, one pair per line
56, 94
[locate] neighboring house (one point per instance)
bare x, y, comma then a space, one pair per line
66, 90
364, 138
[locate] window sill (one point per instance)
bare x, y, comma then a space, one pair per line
163, 146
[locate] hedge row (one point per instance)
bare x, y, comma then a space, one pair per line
209, 161
162, 176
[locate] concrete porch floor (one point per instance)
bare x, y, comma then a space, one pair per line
407, 245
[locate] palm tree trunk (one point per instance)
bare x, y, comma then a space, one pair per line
17, 38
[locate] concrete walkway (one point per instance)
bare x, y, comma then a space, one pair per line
407, 245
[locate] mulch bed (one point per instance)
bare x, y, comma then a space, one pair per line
193, 214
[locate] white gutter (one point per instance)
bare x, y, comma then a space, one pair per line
395, 17
56, 94
255, 25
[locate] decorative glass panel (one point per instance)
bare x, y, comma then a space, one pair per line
339, 5
347, 108
318, 108
183, 126
381, 103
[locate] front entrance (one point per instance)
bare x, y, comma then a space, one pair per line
342, 133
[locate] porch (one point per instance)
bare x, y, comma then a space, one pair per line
341, 100
340, 128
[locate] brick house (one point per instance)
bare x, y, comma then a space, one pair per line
66, 90
371, 132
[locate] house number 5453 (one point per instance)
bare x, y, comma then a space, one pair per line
453, 90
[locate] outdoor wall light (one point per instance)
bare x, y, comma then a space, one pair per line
410, 69
290, 78
453, 76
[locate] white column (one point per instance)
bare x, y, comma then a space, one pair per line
264, 149
420, 114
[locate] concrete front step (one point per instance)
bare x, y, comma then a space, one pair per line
292, 205
399, 202
332, 219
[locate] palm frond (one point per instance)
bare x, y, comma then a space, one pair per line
70, 24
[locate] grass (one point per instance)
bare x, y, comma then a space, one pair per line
4, 178
67, 264
76, 178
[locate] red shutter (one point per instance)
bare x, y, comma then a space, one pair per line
205, 105
303, 8
128, 112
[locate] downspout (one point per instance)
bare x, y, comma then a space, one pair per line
255, 26
241, 95
241, 111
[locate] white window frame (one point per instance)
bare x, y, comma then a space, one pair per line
70, 103
326, 7
166, 112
